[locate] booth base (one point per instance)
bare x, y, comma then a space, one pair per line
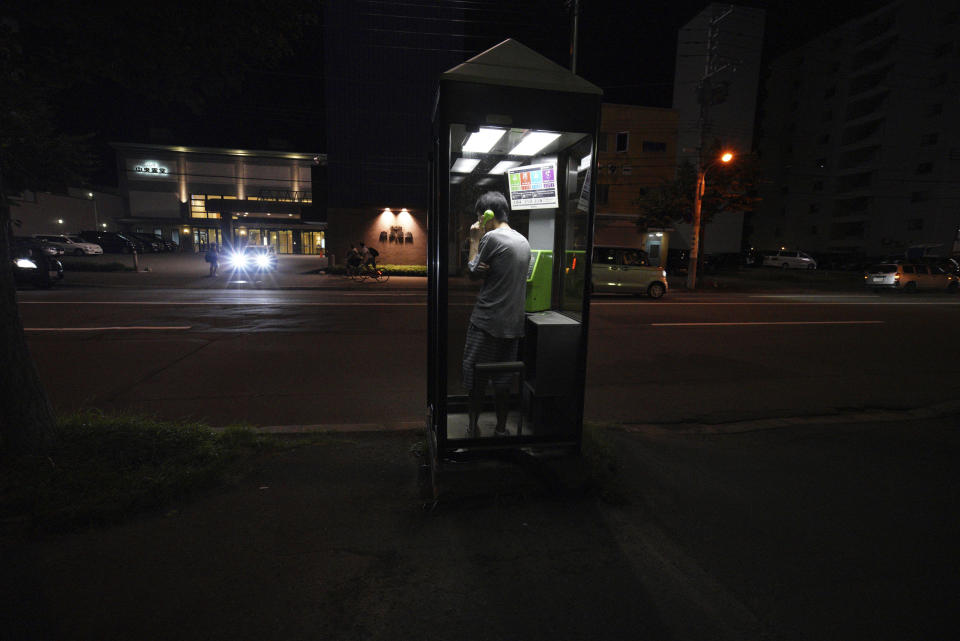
500, 471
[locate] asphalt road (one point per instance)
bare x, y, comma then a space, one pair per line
358, 357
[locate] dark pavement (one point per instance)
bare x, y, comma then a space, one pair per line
806, 532
357, 356
788, 460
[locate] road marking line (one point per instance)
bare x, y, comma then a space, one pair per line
865, 322
107, 329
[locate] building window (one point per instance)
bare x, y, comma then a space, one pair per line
935, 110
929, 139
925, 168
918, 196
602, 142
623, 141
830, 92
943, 50
824, 139
814, 208
783, 190
939, 80
198, 207
813, 230
652, 146
818, 185
827, 116
603, 194
821, 163
914, 224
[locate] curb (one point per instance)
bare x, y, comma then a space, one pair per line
939, 410
339, 428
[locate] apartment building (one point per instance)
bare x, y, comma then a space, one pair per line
860, 137
715, 88
637, 151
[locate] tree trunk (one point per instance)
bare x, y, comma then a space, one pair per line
703, 236
26, 418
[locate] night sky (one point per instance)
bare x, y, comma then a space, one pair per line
627, 48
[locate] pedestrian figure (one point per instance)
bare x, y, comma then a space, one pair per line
213, 257
353, 260
368, 256
496, 324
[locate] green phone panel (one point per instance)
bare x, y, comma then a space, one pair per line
539, 280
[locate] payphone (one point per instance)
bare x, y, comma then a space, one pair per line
513, 122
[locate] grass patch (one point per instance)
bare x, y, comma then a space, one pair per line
103, 468
392, 270
89, 266
602, 465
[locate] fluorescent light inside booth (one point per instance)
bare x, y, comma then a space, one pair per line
502, 166
465, 165
533, 142
585, 163
483, 141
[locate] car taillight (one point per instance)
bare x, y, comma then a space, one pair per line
896, 276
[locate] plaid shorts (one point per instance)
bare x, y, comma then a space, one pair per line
481, 347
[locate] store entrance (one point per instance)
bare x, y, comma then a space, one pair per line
204, 236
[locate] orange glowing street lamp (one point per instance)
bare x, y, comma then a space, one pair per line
697, 202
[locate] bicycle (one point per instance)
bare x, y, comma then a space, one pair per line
364, 272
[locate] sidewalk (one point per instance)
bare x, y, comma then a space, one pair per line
810, 532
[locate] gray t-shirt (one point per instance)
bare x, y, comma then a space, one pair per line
500, 302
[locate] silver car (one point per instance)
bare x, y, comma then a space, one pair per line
909, 277
627, 270
71, 244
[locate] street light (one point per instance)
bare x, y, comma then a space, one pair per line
697, 203
96, 218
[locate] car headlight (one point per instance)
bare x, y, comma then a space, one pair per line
263, 261
26, 263
239, 260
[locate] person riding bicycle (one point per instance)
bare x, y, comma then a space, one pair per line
369, 256
353, 260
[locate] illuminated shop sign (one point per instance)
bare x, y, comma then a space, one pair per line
151, 167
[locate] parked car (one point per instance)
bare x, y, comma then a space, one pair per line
38, 245
790, 259
165, 245
627, 270
111, 242
150, 242
32, 264
909, 277
258, 258
70, 244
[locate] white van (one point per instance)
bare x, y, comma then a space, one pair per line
790, 259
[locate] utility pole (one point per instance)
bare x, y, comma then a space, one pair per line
575, 4
704, 95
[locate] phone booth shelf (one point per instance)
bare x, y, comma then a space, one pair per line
509, 126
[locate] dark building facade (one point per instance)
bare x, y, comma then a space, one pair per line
860, 137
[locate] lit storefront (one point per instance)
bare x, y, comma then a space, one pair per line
198, 196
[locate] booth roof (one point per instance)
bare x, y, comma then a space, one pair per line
513, 64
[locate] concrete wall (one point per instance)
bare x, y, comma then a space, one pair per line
350, 226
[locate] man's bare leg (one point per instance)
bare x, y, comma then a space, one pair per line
476, 404
501, 399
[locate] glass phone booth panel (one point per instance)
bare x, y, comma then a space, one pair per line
501, 388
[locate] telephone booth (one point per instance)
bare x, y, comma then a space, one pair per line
513, 122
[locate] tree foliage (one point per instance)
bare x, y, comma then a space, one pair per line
728, 188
